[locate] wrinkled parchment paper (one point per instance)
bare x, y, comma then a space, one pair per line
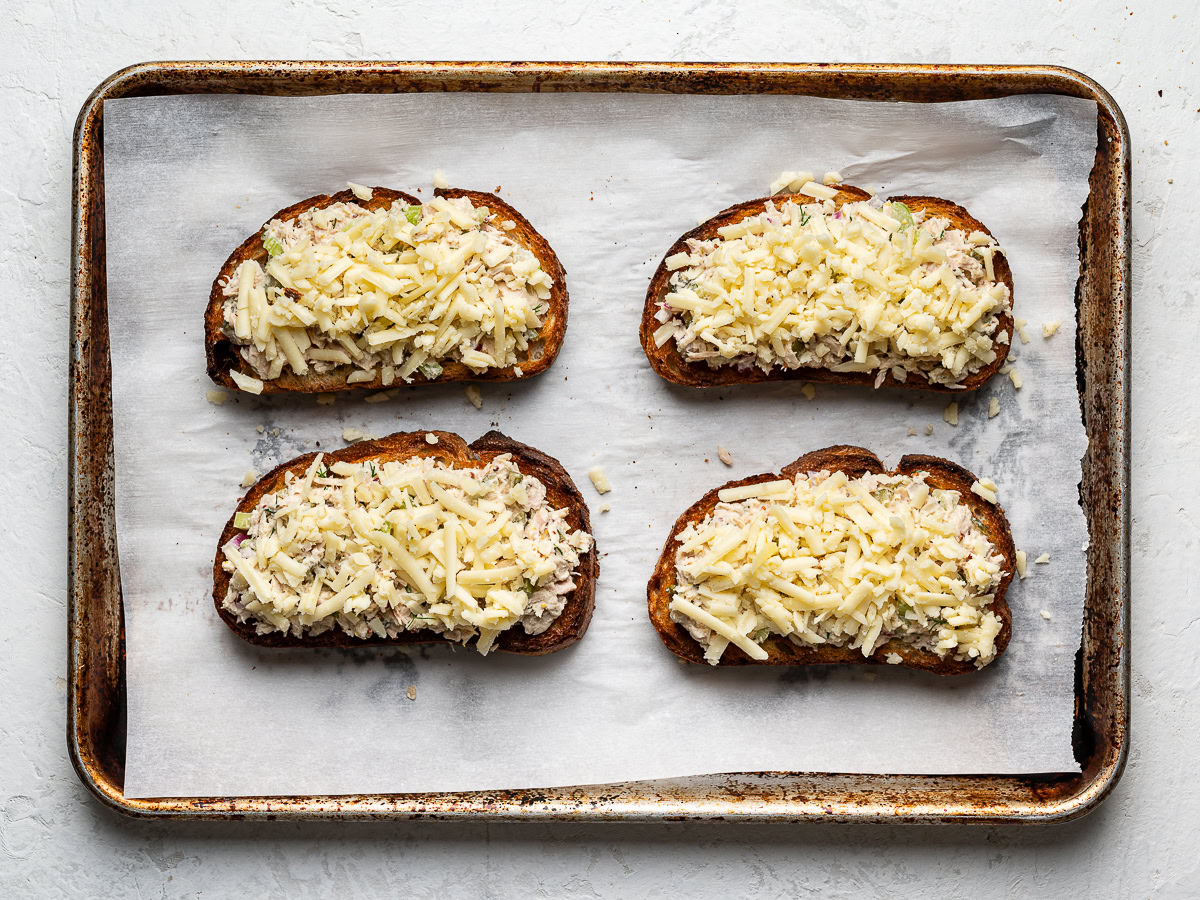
611, 181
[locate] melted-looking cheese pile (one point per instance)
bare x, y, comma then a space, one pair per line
827, 559
387, 293
867, 287
385, 548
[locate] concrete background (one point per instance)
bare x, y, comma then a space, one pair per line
56, 841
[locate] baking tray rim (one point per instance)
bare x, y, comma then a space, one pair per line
605, 801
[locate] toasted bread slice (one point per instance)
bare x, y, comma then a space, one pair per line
223, 354
855, 462
452, 450
667, 361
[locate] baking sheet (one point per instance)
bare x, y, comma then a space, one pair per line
611, 180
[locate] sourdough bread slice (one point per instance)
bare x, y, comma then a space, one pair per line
451, 450
671, 365
223, 353
855, 462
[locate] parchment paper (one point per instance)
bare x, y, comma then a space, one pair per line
611, 181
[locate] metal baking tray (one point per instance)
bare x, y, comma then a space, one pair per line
96, 719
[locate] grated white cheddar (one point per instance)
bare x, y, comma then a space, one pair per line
993, 407
950, 414
599, 480
985, 488
789, 182
1043, 559
1022, 563
390, 292
378, 549
1050, 328
841, 561
1019, 324
245, 382
860, 288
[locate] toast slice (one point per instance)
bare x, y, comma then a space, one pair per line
223, 355
671, 365
452, 450
855, 462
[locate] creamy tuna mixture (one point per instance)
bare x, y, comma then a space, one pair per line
388, 293
380, 549
867, 287
831, 560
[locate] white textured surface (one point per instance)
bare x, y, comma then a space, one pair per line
55, 841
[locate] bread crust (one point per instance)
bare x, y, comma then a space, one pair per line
222, 354
855, 462
451, 449
668, 363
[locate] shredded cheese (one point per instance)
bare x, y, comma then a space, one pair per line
599, 480
245, 382
829, 559
860, 288
985, 488
382, 548
788, 181
381, 293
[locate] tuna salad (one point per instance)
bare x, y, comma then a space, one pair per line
867, 287
825, 559
378, 549
390, 292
